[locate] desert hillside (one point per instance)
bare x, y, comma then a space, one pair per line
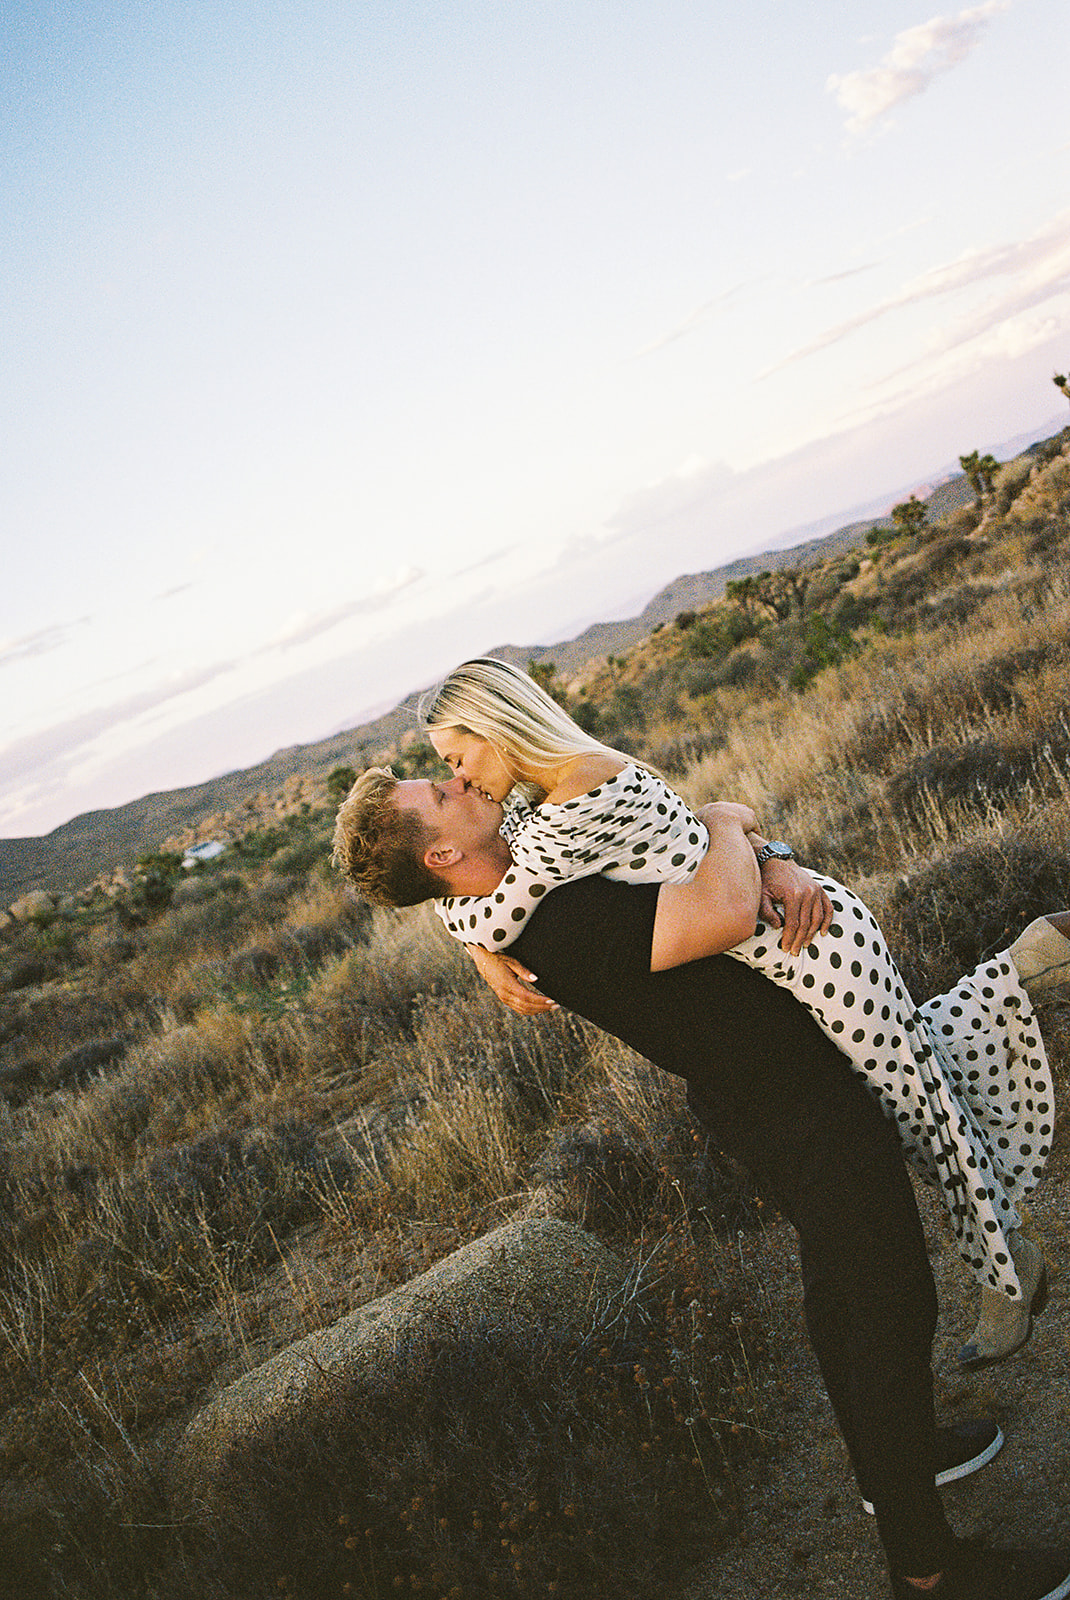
98, 842
236, 1104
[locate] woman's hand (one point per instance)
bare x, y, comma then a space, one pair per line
806, 906
510, 981
730, 810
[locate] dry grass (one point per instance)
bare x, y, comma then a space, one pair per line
850, 769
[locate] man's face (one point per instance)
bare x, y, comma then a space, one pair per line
452, 813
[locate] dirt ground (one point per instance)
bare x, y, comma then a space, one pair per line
804, 1533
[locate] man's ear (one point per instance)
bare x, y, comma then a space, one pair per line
440, 856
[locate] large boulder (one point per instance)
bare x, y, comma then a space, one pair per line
528, 1272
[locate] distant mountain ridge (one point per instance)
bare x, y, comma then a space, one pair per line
97, 842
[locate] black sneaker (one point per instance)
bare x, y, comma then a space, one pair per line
964, 1448
977, 1574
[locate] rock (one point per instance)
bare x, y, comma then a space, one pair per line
531, 1270
25, 974
18, 1080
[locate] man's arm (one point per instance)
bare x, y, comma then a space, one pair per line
718, 908
698, 919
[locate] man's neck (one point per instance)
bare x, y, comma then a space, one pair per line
479, 873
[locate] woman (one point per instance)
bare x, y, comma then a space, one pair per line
965, 1078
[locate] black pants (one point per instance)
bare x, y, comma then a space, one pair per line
778, 1096
819, 1146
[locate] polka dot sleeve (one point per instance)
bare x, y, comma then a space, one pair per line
632, 827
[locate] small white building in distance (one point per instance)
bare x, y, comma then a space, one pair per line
202, 852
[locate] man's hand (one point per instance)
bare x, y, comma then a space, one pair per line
807, 908
510, 981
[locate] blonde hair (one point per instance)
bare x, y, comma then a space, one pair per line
498, 702
379, 847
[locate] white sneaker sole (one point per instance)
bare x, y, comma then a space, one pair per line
1060, 1593
963, 1470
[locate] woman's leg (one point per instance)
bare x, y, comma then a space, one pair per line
953, 1124
994, 1059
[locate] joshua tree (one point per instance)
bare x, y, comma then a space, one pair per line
545, 675
339, 783
779, 592
784, 590
1061, 381
988, 466
981, 471
971, 466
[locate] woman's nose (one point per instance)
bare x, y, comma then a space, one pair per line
458, 784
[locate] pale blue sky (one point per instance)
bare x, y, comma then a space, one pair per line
343, 341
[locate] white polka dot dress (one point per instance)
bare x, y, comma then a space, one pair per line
632, 827
964, 1077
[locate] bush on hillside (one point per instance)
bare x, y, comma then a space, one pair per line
942, 919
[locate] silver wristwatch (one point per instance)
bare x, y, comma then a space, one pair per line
775, 850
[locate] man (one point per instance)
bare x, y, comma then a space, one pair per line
776, 1094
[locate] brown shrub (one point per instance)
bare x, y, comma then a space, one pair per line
945, 917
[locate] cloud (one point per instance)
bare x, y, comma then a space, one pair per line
1040, 265
956, 360
918, 55
40, 643
302, 628
999, 330
691, 321
485, 561
841, 277
61, 743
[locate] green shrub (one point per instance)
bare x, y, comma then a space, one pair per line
824, 645
154, 882
259, 844
302, 858
339, 783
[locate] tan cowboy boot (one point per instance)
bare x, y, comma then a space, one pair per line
1004, 1325
1042, 953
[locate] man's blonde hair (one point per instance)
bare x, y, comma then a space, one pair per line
380, 847
496, 701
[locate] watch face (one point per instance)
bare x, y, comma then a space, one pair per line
776, 850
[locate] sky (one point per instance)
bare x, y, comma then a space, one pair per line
344, 341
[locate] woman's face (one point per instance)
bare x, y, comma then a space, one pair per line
476, 759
